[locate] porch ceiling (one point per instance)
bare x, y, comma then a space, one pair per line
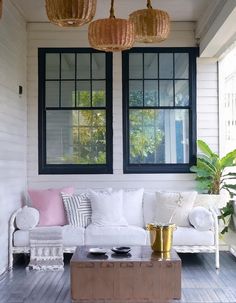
179, 10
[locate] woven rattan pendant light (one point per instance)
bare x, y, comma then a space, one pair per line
69, 13
111, 34
151, 25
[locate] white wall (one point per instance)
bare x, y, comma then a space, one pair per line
13, 117
182, 35
207, 102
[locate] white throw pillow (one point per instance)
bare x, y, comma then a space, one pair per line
133, 206
175, 205
149, 207
201, 218
27, 218
107, 208
78, 209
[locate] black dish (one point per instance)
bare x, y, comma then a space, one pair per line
121, 250
96, 251
97, 257
121, 256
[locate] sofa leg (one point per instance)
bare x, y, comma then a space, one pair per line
10, 261
217, 259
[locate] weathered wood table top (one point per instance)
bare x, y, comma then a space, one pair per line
137, 254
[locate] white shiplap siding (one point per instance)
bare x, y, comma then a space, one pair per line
207, 102
182, 35
13, 119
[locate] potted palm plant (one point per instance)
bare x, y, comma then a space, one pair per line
213, 175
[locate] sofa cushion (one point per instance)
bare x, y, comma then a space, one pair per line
189, 236
174, 207
27, 218
50, 206
107, 208
71, 236
115, 235
201, 218
78, 209
149, 207
133, 206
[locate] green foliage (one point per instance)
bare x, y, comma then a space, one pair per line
226, 213
145, 135
136, 98
89, 130
210, 170
212, 176
205, 148
89, 137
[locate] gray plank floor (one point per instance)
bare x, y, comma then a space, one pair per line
201, 282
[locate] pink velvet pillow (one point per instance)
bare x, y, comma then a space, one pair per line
50, 205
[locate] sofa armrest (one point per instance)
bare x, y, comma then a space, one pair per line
12, 226
216, 235
12, 223
216, 225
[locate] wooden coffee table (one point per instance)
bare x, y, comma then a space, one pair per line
141, 276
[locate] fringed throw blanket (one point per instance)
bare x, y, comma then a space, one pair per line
46, 249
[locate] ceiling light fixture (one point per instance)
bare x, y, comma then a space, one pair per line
70, 13
111, 34
151, 25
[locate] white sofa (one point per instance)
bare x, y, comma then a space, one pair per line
185, 239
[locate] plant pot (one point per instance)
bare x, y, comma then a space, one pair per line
161, 236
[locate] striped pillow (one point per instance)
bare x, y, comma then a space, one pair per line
78, 209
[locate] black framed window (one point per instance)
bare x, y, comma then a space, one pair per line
159, 109
75, 111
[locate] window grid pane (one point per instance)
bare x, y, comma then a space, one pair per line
67, 66
158, 136
75, 106
52, 66
159, 110
76, 137
81, 80
162, 80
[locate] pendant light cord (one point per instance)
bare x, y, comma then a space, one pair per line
112, 11
149, 3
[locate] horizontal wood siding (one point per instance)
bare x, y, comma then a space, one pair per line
182, 35
207, 102
13, 119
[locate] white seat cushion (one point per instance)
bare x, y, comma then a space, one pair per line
115, 235
71, 236
190, 236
